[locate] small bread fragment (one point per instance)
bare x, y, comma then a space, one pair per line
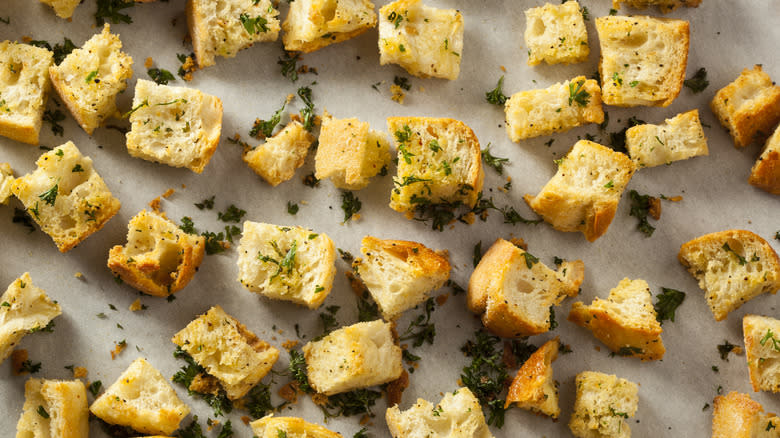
558, 108
749, 107
357, 356
679, 138
400, 274
65, 196
762, 345
425, 41
736, 415
313, 24
584, 193
65, 404
643, 59
350, 153
286, 263
280, 156
626, 321
604, 403
63, 8
141, 398
227, 350
24, 309
765, 174
89, 79
159, 258
6, 180
439, 161
533, 387
732, 267
513, 291
223, 27
665, 6
457, 415
556, 34
176, 126
24, 87
289, 427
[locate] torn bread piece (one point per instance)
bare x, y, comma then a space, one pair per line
54, 408
313, 24
604, 403
6, 180
736, 415
24, 309
665, 6
762, 345
280, 156
24, 88
289, 427
556, 34
679, 138
63, 8
765, 174
457, 415
534, 388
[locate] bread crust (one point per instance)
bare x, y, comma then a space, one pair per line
280, 156
679, 138
65, 402
765, 174
556, 34
762, 348
32, 85
604, 403
533, 387
309, 25
28, 308
736, 415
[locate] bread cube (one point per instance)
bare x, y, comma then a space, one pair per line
604, 403
643, 59
458, 414
584, 194
533, 387
159, 258
357, 356
736, 415
765, 174
762, 346
65, 405
439, 161
732, 267
141, 398
679, 138
513, 291
425, 41
24, 87
223, 27
6, 180
313, 24
626, 321
280, 156
290, 427
63, 8
556, 34
176, 126
89, 79
24, 309
286, 263
400, 274
349, 153
558, 108
665, 6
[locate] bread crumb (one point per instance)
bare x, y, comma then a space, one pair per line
168, 193
136, 306
674, 199
79, 372
119, 348
395, 389
78, 275
398, 94
519, 242
503, 69
154, 204
289, 392
319, 399
18, 357
184, 186
26, 39
440, 300
245, 419
290, 344
149, 62
188, 67
655, 208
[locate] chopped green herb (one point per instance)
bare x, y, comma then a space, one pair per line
77, 168
297, 370
50, 196
160, 76
289, 67
265, 128
29, 367
610, 184
640, 209
187, 225
698, 82
258, 401
254, 25
496, 96
54, 117
477, 255
725, 348
307, 112
292, 208
95, 387
487, 374
740, 259
350, 204
769, 336
109, 10
626, 351
395, 18
577, 94
493, 161
530, 260
218, 402
421, 329
351, 403
667, 303
553, 322
232, 214
42, 412
207, 203
402, 82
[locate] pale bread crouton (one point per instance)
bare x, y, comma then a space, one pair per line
89, 79
643, 59
280, 156
286, 263
556, 34
141, 398
176, 126
533, 387
762, 346
24, 309
66, 197
63, 8
732, 267
736, 415
159, 258
313, 24
626, 321
24, 87
765, 174
6, 180
457, 415
291, 427
424, 41
679, 138
65, 404
584, 193
357, 356
400, 274
513, 291
604, 403
665, 6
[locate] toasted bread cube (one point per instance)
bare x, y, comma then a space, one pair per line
584, 193
439, 161
762, 345
141, 398
290, 427
679, 138
313, 24
732, 267
176, 126
159, 258
63, 8
603, 404
65, 404
458, 414
513, 291
559, 108
556, 34
349, 153
425, 41
227, 350
643, 59
6, 180
749, 107
24, 87
357, 356
286, 263
765, 174
533, 387
736, 415
280, 156
89, 79
626, 321
665, 6
223, 27
66, 196
400, 274
24, 308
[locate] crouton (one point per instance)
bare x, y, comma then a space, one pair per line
679, 138
280, 156
556, 34
665, 6
762, 345
313, 24
24, 87
533, 387
765, 174
64, 403
604, 403
24, 309
289, 427
6, 180
736, 415
63, 8
457, 415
